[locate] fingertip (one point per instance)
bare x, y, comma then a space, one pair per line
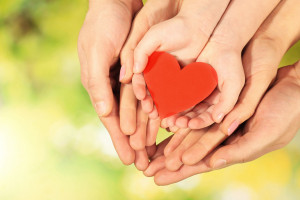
128, 159
139, 86
182, 122
153, 114
136, 145
127, 129
170, 121
160, 179
141, 166
188, 158
147, 104
173, 163
103, 108
218, 116
140, 61
195, 123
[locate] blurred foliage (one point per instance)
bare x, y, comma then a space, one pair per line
52, 145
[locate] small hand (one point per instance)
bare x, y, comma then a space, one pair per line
190, 28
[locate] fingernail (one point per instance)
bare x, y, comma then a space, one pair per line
233, 127
100, 108
220, 117
219, 163
136, 68
122, 73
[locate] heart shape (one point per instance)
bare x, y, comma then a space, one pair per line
174, 89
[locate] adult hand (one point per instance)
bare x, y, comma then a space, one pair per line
101, 38
251, 141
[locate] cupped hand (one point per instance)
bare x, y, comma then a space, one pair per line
223, 51
101, 38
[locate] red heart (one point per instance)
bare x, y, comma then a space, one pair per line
174, 89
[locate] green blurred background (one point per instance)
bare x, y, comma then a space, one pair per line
52, 145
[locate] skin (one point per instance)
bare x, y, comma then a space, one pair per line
251, 141
221, 49
261, 60
99, 74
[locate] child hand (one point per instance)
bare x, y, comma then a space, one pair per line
223, 51
141, 43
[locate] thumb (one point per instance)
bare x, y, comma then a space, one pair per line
243, 150
98, 83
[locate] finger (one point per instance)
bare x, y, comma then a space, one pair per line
139, 86
138, 29
176, 140
158, 160
128, 110
155, 165
174, 129
243, 150
202, 120
164, 123
174, 159
120, 141
160, 148
183, 121
203, 146
152, 13
149, 43
172, 119
154, 113
152, 130
231, 87
98, 80
166, 177
138, 139
141, 160
147, 104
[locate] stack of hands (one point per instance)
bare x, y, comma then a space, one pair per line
255, 108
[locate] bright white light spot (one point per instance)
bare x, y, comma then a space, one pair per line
237, 193
190, 183
105, 144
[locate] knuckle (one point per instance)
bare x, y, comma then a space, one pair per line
92, 84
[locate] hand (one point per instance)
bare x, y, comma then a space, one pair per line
217, 51
223, 51
251, 141
152, 13
269, 44
261, 60
101, 38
